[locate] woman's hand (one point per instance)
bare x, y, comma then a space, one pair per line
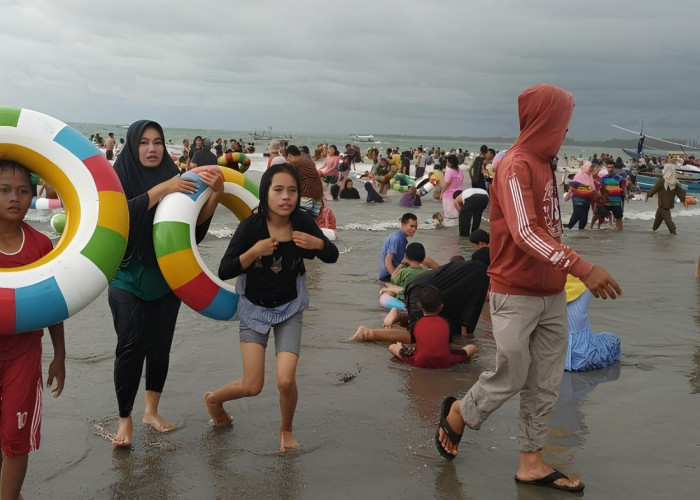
178, 185
213, 181
307, 241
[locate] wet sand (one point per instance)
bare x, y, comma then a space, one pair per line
629, 431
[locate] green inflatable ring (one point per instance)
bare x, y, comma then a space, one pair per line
401, 183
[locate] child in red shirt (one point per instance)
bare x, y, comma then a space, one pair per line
432, 337
20, 354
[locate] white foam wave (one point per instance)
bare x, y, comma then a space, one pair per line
383, 225
651, 214
221, 233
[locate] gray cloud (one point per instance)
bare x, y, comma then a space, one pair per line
414, 67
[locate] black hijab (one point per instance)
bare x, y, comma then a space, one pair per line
136, 181
372, 195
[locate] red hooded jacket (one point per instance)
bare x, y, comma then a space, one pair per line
527, 256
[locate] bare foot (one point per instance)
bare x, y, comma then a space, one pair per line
123, 437
217, 412
391, 318
456, 423
158, 422
363, 333
287, 441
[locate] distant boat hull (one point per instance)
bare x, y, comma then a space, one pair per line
647, 180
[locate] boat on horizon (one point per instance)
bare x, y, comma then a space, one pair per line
266, 135
362, 138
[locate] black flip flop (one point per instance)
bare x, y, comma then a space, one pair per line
452, 435
548, 482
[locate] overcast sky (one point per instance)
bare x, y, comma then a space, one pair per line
419, 67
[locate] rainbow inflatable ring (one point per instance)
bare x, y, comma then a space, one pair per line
241, 159
176, 249
91, 248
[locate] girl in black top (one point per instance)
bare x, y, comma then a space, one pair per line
348, 192
266, 253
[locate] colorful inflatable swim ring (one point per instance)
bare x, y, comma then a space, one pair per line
425, 184
230, 159
176, 250
46, 203
91, 248
401, 183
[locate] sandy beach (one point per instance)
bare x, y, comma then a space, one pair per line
629, 431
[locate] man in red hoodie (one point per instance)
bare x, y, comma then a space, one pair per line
528, 271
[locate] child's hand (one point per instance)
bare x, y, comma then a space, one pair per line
307, 241
57, 371
266, 247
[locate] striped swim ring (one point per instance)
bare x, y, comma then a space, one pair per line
425, 184
176, 251
46, 203
88, 254
229, 158
401, 183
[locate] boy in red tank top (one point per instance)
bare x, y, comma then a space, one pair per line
21, 395
432, 334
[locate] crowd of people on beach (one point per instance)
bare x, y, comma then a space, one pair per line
538, 289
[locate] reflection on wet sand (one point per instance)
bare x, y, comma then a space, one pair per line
694, 376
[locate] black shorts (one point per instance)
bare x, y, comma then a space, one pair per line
616, 211
602, 211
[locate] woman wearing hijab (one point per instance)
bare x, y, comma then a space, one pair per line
144, 309
582, 192
348, 192
667, 188
372, 195
451, 183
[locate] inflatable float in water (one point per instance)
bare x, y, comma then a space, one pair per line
425, 184
401, 183
91, 248
46, 203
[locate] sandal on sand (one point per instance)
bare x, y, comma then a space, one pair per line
452, 435
548, 482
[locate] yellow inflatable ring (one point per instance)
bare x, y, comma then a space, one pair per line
176, 249
88, 254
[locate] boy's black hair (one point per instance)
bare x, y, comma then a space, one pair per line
456, 194
335, 191
430, 299
407, 217
14, 166
304, 149
293, 150
415, 251
479, 236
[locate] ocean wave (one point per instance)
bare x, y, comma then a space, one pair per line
383, 225
221, 233
651, 214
